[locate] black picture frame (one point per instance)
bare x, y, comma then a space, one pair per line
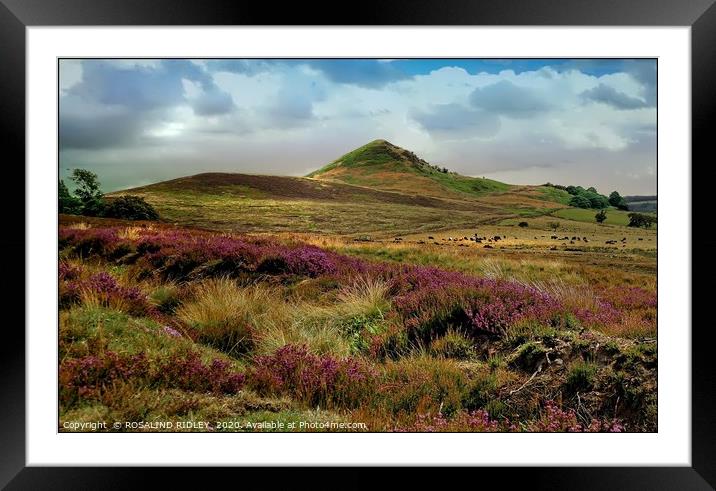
16, 15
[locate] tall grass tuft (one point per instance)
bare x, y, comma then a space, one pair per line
226, 315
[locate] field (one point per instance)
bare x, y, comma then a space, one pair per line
380, 293
319, 332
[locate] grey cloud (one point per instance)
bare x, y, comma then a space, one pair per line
455, 120
508, 99
114, 104
213, 103
612, 97
100, 132
644, 71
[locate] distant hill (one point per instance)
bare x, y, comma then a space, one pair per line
642, 203
377, 188
382, 165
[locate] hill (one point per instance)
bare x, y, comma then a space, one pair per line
642, 203
378, 188
382, 165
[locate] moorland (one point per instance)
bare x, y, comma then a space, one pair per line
378, 293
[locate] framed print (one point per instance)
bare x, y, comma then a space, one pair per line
432, 241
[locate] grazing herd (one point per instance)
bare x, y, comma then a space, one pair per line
488, 241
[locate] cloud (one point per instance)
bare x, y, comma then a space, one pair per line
246, 67
371, 74
507, 99
117, 103
213, 103
644, 71
455, 121
609, 95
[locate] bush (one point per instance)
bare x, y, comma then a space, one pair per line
641, 220
130, 208
313, 379
523, 224
601, 216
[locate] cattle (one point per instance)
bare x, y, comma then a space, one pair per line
421, 242
640, 238
553, 248
487, 246
584, 239
554, 237
496, 238
430, 237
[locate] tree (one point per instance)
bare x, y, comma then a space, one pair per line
130, 208
641, 220
580, 201
597, 200
601, 216
616, 200
66, 202
88, 191
592, 190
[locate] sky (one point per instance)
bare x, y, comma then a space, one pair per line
588, 122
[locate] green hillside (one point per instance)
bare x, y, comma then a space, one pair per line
382, 165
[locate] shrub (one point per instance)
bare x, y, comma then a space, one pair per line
600, 216
85, 377
523, 224
101, 289
188, 372
641, 220
312, 379
129, 208
556, 419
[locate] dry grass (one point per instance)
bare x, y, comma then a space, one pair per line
227, 315
78, 226
133, 233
